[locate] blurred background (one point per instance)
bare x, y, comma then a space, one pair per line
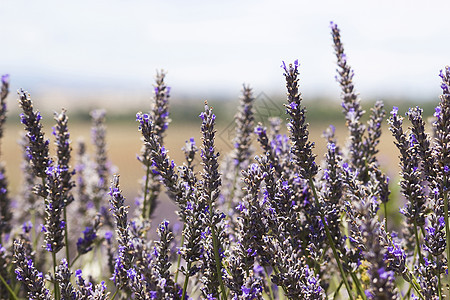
82, 55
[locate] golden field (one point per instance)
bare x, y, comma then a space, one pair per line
124, 143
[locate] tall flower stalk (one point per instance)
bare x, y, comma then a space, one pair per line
302, 151
159, 116
5, 201
98, 136
442, 125
210, 192
63, 155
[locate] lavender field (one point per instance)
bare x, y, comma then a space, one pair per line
279, 210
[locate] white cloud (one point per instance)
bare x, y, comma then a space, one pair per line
219, 45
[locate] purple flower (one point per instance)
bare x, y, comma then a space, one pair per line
331, 146
241, 207
293, 105
84, 244
394, 111
26, 227
259, 130
108, 235
5, 79
437, 112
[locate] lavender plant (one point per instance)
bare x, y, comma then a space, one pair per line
160, 117
5, 202
275, 226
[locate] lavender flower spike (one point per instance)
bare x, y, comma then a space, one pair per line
101, 159
37, 148
442, 149
162, 262
209, 194
6, 215
3, 94
160, 111
301, 146
244, 126
63, 276
63, 153
26, 272
125, 256
54, 224
350, 103
159, 116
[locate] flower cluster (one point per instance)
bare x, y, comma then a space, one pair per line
280, 225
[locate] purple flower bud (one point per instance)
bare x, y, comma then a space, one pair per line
26, 227
437, 112
240, 207
331, 147
333, 26
108, 235
293, 105
394, 111
259, 130
5, 79
333, 128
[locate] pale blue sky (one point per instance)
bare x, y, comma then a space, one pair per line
211, 47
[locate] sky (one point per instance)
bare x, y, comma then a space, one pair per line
210, 48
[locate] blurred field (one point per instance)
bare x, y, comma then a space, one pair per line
124, 144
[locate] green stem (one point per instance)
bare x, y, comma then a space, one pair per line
186, 279
416, 234
439, 277
147, 173
336, 292
275, 269
55, 283
11, 292
269, 283
415, 285
74, 260
408, 293
33, 230
358, 285
331, 242
66, 235
115, 294
150, 197
447, 226
218, 261
179, 256
233, 190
